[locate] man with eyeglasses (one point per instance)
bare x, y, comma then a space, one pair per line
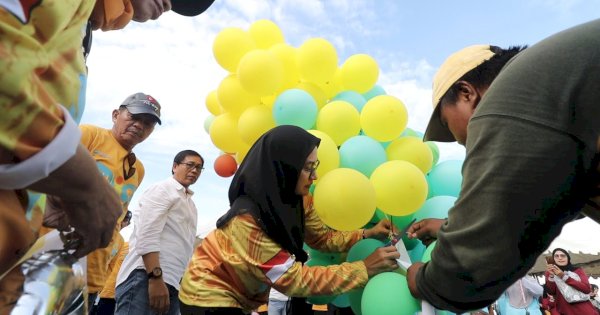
112, 149
162, 242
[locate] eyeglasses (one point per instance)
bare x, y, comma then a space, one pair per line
191, 165
560, 255
130, 158
311, 167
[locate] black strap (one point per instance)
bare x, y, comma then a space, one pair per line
87, 40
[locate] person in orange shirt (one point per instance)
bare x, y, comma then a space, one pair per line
258, 242
105, 303
42, 86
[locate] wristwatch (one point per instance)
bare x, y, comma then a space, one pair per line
155, 273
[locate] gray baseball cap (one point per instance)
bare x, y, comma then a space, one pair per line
140, 103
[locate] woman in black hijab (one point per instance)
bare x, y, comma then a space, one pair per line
258, 242
572, 276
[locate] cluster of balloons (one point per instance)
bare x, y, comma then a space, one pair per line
372, 165
387, 293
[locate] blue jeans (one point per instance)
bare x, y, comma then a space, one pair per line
277, 307
132, 296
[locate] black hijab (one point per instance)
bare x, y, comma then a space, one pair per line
265, 185
568, 266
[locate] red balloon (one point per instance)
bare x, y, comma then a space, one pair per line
225, 165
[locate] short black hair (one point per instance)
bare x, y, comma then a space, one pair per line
127, 216
484, 74
185, 153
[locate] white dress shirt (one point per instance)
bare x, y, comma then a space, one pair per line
165, 223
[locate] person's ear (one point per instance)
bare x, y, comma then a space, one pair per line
469, 94
115, 114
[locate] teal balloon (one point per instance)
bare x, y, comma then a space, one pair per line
445, 178
410, 243
435, 207
387, 294
362, 153
319, 299
416, 253
342, 300
363, 248
435, 151
354, 98
427, 253
355, 298
400, 222
295, 107
375, 91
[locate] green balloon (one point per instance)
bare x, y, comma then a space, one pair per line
378, 216
363, 248
434, 150
387, 294
327, 257
355, 298
427, 254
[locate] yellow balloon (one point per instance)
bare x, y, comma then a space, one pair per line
255, 121
230, 45
340, 120
212, 103
345, 199
241, 153
383, 118
413, 150
401, 187
334, 86
224, 133
287, 56
315, 92
265, 34
328, 153
233, 97
317, 60
260, 72
359, 73
268, 100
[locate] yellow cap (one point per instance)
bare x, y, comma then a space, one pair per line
453, 68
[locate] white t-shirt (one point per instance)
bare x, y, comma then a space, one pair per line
278, 296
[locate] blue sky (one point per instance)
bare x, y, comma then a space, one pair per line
171, 59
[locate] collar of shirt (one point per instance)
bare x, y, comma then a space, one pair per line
178, 186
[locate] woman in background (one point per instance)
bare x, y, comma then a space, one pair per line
574, 277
